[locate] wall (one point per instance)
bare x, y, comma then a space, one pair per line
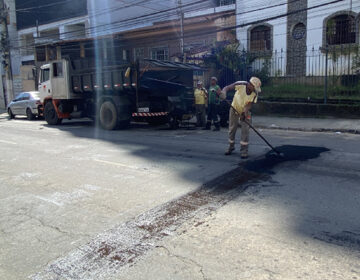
315, 35
315, 57
250, 11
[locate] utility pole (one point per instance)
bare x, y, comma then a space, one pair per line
181, 30
5, 52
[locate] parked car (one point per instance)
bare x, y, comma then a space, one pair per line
27, 104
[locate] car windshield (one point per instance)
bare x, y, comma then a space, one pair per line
18, 96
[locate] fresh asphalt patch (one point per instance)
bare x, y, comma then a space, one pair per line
126, 243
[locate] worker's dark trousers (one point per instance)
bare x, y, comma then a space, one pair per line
200, 114
234, 119
213, 116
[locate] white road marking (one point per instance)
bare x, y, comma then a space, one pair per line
125, 165
48, 200
8, 142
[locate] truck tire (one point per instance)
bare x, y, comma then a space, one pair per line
50, 114
108, 115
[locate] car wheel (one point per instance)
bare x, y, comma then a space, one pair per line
11, 115
29, 115
50, 114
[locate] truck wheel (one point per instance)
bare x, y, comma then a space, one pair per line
50, 114
173, 122
108, 116
11, 115
29, 115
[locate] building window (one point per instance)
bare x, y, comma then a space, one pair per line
160, 53
45, 75
299, 31
226, 2
139, 53
341, 29
126, 55
260, 38
57, 70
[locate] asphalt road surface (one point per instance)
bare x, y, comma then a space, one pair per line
77, 202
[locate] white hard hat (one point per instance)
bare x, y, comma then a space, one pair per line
199, 82
256, 83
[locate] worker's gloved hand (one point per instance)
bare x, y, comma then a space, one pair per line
243, 116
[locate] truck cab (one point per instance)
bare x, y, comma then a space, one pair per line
54, 81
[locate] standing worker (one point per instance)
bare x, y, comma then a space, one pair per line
246, 94
214, 102
200, 95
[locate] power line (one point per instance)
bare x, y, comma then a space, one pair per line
128, 19
251, 23
142, 19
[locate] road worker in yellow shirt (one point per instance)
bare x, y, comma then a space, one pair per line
246, 94
201, 96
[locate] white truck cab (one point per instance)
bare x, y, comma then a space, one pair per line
54, 81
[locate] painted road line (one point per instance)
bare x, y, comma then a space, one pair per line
8, 142
118, 164
48, 200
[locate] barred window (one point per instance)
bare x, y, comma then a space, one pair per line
341, 30
139, 53
226, 2
260, 38
160, 53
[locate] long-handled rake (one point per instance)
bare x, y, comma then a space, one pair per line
257, 132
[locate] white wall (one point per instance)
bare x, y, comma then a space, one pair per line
250, 11
315, 58
316, 17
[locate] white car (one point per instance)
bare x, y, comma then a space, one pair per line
27, 104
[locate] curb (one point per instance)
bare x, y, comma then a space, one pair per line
349, 131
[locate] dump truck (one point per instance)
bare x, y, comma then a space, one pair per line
114, 93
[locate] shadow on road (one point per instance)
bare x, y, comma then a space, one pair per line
178, 146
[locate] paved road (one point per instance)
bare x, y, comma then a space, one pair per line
77, 202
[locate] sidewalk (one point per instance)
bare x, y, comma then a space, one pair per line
297, 124
308, 124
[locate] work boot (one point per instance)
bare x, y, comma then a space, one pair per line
208, 126
244, 155
244, 152
230, 150
217, 126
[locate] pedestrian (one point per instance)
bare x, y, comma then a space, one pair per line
246, 94
200, 95
213, 105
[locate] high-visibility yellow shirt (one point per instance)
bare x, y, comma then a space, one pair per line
241, 99
200, 96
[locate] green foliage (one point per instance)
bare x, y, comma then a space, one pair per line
264, 73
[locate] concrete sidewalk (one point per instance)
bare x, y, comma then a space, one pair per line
296, 124
308, 124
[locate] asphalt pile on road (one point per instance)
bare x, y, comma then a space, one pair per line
265, 164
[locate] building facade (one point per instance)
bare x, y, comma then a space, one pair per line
299, 38
43, 21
